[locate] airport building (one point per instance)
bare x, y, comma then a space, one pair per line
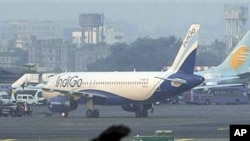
51, 55
111, 36
95, 32
56, 46
236, 16
11, 57
87, 55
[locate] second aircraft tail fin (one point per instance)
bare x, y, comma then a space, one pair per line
238, 61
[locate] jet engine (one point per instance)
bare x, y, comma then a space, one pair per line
61, 104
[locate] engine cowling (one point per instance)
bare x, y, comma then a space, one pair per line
61, 104
136, 107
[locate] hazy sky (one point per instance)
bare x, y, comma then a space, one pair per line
148, 14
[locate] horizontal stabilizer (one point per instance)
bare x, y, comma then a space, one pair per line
177, 80
244, 75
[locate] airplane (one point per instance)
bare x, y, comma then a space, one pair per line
233, 71
134, 91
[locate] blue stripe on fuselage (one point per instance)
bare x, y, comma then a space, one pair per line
163, 92
112, 99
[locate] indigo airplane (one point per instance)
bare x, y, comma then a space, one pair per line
134, 91
234, 70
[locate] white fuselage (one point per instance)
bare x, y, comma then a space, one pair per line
137, 86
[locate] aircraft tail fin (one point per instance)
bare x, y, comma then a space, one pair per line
185, 59
238, 61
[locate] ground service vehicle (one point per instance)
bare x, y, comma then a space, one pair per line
26, 98
36, 94
219, 95
5, 98
14, 110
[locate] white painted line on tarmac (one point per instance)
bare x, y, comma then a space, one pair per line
223, 128
185, 140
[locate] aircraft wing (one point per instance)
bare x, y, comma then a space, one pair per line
76, 94
240, 78
221, 79
216, 86
244, 75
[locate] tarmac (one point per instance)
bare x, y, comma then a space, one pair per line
187, 122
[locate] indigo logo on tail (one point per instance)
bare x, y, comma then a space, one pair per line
185, 59
189, 36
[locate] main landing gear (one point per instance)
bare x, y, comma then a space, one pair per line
91, 112
141, 113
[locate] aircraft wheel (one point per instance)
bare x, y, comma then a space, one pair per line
138, 114
13, 114
207, 102
89, 113
144, 113
64, 114
95, 113
237, 102
5, 115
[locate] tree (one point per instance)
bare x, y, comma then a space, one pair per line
143, 54
213, 55
147, 54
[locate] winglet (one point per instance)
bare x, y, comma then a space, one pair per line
185, 59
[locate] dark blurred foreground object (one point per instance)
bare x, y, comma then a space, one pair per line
113, 133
